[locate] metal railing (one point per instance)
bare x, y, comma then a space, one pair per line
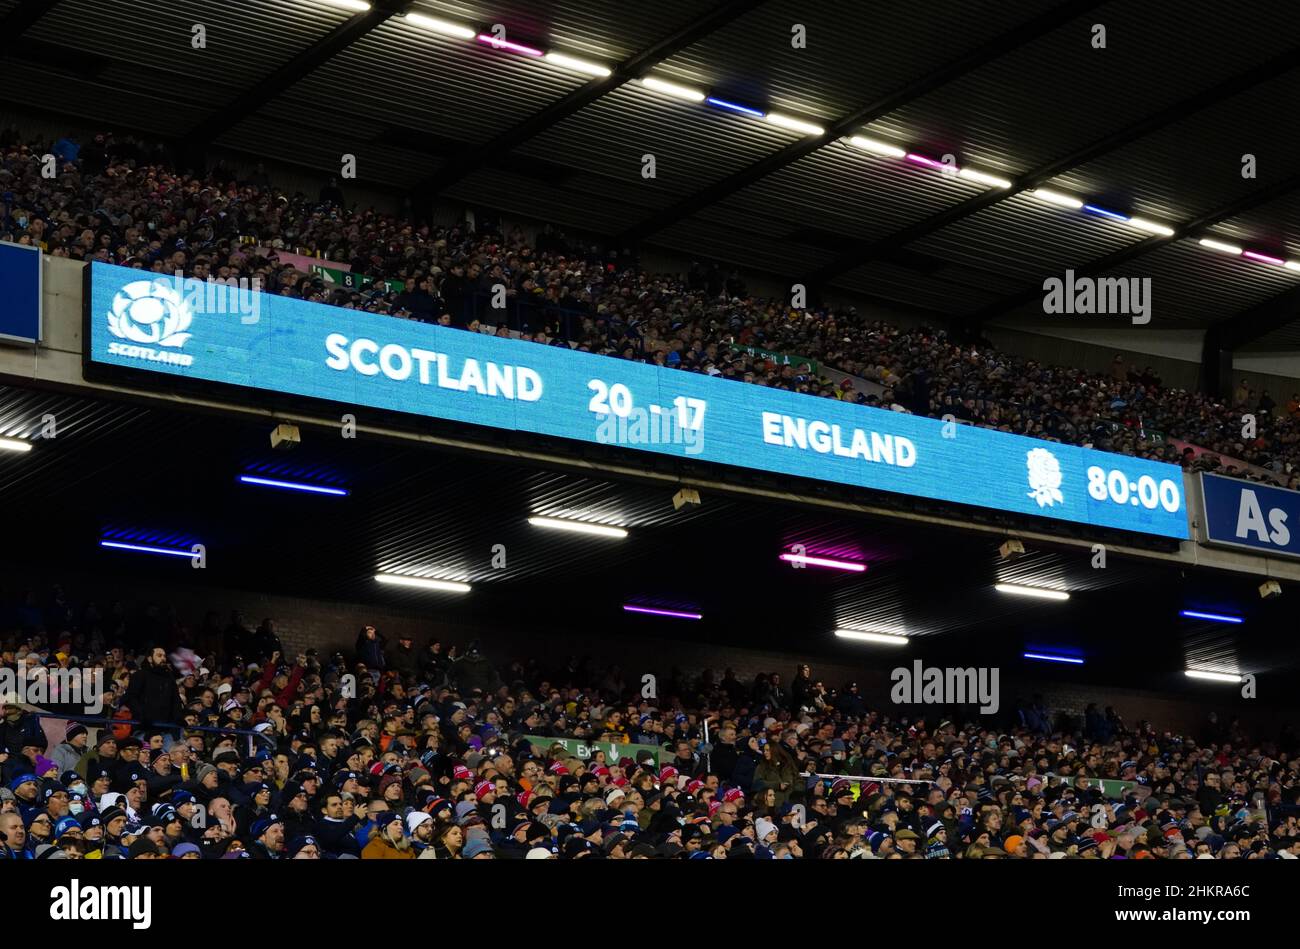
99, 722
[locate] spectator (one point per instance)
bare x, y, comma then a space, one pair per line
331, 193
777, 771
13, 838
602, 303
725, 755
403, 658
778, 692
433, 664
70, 752
389, 843
474, 673
265, 642
452, 771
370, 648
850, 702
237, 640
802, 689
152, 694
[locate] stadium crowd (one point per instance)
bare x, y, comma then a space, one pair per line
123, 202
218, 745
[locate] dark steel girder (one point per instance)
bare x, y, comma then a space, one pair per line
296, 69
1227, 336
849, 124
868, 250
468, 161
1127, 254
1260, 320
20, 18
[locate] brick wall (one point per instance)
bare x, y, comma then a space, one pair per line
1163, 711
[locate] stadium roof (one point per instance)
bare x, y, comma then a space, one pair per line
1153, 126
166, 478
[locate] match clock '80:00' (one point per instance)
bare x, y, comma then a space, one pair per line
1146, 491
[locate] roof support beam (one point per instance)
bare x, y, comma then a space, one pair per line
1224, 338
1128, 254
473, 158
1215, 377
869, 250
296, 69
1260, 320
22, 17
850, 124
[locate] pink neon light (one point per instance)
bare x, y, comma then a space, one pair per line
675, 614
928, 162
506, 44
825, 562
1262, 258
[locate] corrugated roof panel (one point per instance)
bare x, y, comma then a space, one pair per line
1023, 238
1288, 337
1273, 229
854, 53
732, 241
1053, 96
1193, 287
299, 144
245, 41
119, 76
406, 75
403, 100
693, 145
844, 189
1209, 649
1199, 287
1269, 228
418, 510
147, 110
527, 197
1195, 165
609, 31
946, 293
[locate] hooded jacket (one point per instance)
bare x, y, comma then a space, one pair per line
382, 848
66, 756
371, 651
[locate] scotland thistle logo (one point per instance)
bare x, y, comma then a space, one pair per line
149, 313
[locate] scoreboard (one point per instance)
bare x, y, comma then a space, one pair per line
237, 336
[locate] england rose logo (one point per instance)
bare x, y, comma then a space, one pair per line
1044, 477
150, 312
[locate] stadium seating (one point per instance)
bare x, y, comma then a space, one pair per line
404, 751
120, 202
